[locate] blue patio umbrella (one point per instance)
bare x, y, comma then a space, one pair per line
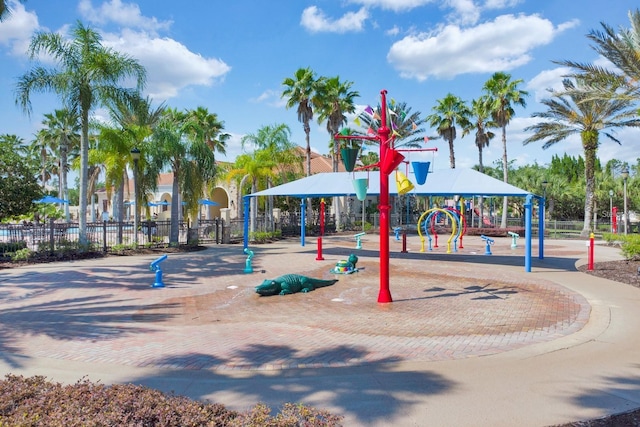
51, 199
207, 202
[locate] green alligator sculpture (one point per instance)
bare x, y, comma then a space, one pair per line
290, 284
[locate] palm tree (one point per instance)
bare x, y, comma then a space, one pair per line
301, 90
504, 93
41, 149
274, 141
622, 48
574, 111
450, 111
206, 126
88, 75
405, 125
334, 100
62, 131
257, 166
191, 160
481, 113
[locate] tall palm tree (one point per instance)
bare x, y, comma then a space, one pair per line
41, 149
62, 129
335, 99
450, 112
191, 160
88, 75
301, 90
480, 122
574, 111
504, 94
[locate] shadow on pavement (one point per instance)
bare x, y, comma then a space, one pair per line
368, 394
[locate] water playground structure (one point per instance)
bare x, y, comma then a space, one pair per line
364, 182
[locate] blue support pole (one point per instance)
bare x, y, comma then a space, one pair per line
303, 220
541, 213
527, 230
245, 202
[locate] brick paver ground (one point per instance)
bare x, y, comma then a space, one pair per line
446, 306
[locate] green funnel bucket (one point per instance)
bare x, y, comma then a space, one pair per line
360, 185
349, 157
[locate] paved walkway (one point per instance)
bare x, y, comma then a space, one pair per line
470, 339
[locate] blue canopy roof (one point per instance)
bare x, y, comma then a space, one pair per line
446, 182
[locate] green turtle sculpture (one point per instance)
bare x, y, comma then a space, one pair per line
291, 284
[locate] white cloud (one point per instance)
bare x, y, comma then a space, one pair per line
500, 4
395, 5
464, 11
547, 79
270, 97
123, 14
499, 45
314, 20
170, 65
16, 31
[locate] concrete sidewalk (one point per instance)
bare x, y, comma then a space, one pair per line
469, 340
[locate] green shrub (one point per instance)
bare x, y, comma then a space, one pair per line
21, 254
34, 401
6, 247
264, 236
631, 246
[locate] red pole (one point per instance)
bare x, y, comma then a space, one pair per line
384, 295
404, 242
319, 257
591, 246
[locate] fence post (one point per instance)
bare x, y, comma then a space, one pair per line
104, 236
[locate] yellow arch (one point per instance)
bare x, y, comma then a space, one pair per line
454, 225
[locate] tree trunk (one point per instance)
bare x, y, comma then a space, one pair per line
174, 232
505, 176
590, 146
84, 175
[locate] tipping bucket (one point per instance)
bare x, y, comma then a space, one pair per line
420, 170
360, 185
391, 161
402, 183
349, 157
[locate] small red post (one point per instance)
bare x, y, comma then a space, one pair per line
591, 250
404, 241
319, 257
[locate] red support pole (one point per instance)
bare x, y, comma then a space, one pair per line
591, 250
404, 242
384, 295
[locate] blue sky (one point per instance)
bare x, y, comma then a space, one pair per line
232, 56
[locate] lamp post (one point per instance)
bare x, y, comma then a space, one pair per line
135, 155
611, 209
625, 175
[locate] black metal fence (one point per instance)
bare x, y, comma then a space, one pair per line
107, 236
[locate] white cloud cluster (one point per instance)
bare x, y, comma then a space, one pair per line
123, 14
395, 5
545, 80
499, 45
16, 31
314, 20
170, 65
